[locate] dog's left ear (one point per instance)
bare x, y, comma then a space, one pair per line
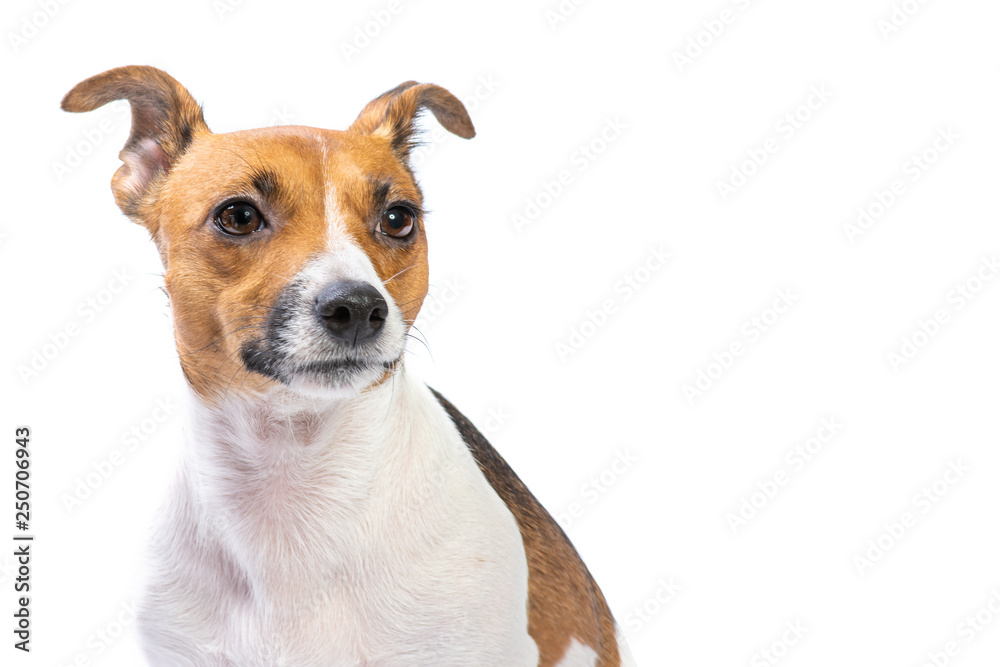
392, 114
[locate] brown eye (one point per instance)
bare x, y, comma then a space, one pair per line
239, 219
397, 222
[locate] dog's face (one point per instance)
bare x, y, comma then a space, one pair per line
292, 255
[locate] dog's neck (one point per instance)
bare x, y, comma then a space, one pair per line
280, 473
268, 427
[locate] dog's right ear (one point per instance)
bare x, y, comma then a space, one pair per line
392, 114
165, 119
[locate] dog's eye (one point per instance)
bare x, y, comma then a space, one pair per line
397, 222
239, 219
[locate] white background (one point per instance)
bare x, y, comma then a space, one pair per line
659, 521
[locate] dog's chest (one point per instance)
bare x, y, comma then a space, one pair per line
390, 548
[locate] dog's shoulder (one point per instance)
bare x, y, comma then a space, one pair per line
565, 605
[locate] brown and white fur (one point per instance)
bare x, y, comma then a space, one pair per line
331, 510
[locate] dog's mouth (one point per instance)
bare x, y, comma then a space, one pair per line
341, 371
334, 366
323, 375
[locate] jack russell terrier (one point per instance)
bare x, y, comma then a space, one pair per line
331, 510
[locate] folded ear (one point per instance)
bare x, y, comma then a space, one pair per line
392, 114
165, 118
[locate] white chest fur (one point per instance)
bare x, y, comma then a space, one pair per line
357, 532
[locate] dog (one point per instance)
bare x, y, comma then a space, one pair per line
331, 509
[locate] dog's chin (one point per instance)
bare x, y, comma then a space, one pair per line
335, 378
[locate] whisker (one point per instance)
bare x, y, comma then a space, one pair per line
420, 339
400, 273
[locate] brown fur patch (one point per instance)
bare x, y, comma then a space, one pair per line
564, 601
392, 113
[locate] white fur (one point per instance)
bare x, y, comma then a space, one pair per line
335, 532
331, 208
581, 655
321, 525
578, 655
623, 650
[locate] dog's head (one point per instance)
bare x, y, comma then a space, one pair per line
292, 255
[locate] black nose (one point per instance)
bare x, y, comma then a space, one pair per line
352, 311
